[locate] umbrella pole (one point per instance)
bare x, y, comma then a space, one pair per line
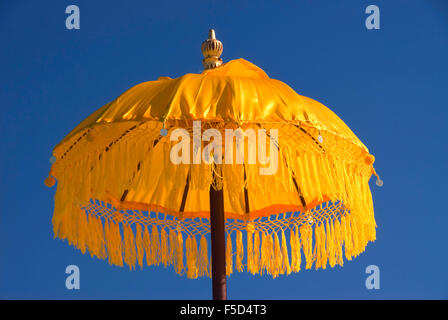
217, 229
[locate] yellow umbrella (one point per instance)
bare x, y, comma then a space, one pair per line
170, 164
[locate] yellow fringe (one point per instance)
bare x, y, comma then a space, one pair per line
147, 247
306, 233
256, 259
296, 258
331, 252
239, 251
338, 242
334, 172
173, 246
266, 253
139, 244
192, 252
229, 257
277, 259
114, 241
180, 253
155, 245
203, 262
130, 255
164, 252
250, 252
286, 267
320, 247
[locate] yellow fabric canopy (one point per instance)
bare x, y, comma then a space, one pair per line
120, 196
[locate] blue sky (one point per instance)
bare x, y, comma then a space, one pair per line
389, 85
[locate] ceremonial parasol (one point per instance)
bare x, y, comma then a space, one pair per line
228, 156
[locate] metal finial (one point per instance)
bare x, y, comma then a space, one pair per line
212, 50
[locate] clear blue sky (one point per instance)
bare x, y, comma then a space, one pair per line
389, 85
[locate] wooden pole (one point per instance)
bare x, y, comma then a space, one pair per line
217, 229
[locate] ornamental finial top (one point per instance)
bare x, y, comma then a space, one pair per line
212, 50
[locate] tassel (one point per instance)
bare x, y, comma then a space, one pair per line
192, 251
277, 260
306, 233
331, 248
298, 261
346, 232
264, 255
267, 251
130, 255
113, 240
164, 253
256, 259
239, 251
155, 245
173, 246
338, 242
286, 267
139, 244
82, 230
354, 233
292, 244
270, 254
229, 257
147, 247
321, 254
96, 242
250, 252
180, 253
203, 262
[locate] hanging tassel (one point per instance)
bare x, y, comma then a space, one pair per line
306, 233
229, 257
203, 262
346, 232
267, 251
338, 242
114, 241
239, 251
286, 267
147, 247
139, 244
354, 233
256, 259
264, 263
130, 255
173, 246
320, 246
96, 242
164, 253
250, 252
292, 244
331, 247
192, 251
277, 260
83, 228
295, 249
155, 245
180, 253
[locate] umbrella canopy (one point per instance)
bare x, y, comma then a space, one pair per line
134, 177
